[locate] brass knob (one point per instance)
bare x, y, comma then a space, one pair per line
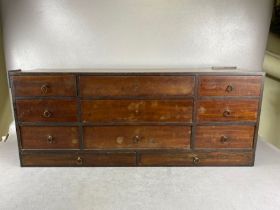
79, 160
227, 113
196, 160
50, 139
136, 139
229, 88
224, 139
47, 114
44, 89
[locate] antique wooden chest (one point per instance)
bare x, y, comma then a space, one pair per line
186, 118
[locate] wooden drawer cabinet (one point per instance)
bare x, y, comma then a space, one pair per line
193, 118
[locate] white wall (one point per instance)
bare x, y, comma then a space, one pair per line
135, 33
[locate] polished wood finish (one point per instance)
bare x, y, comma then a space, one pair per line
44, 85
75, 159
226, 110
230, 85
50, 137
196, 159
133, 86
106, 111
228, 136
47, 110
112, 137
137, 119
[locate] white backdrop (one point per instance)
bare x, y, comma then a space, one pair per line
61, 34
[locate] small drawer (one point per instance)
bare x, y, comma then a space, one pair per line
112, 137
41, 110
137, 110
119, 86
222, 110
44, 85
75, 159
196, 159
220, 137
230, 85
37, 137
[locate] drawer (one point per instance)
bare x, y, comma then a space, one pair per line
227, 110
41, 110
230, 85
118, 86
196, 159
111, 137
72, 159
37, 137
224, 137
137, 110
44, 85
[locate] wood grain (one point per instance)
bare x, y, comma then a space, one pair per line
114, 137
178, 110
217, 137
241, 85
38, 137
239, 110
64, 85
61, 110
205, 159
118, 86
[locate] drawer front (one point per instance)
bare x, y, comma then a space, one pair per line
44, 85
224, 137
111, 137
47, 110
227, 110
196, 159
37, 137
137, 110
72, 159
230, 85
116, 86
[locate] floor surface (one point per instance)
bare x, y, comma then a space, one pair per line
164, 188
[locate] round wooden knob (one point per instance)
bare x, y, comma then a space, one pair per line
227, 113
196, 160
79, 160
136, 139
47, 114
224, 139
50, 139
44, 89
229, 88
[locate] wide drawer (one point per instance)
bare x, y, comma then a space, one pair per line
117, 86
230, 85
72, 159
137, 110
196, 159
227, 110
46, 110
49, 137
233, 136
111, 137
44, 85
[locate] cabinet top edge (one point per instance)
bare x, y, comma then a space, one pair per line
136, 71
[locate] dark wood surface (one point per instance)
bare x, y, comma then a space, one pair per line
225, 110
44, 85
116, 86
137, 119
112, 137
105, 111
230, 136
230, 85
47, 110
202, 159
50, 137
